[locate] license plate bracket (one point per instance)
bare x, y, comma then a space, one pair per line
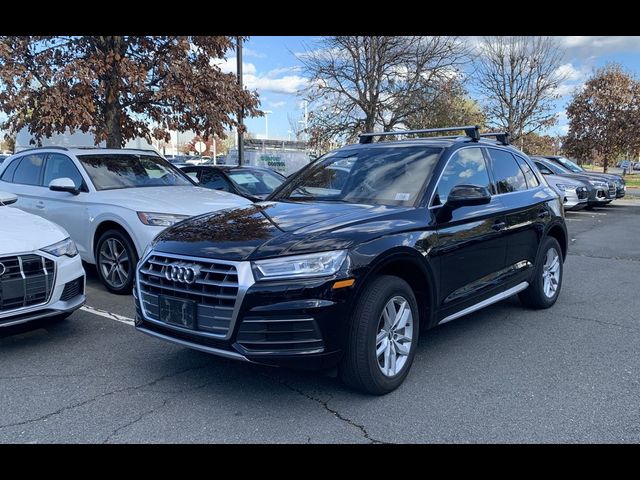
177, 311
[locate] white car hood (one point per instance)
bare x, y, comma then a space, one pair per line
23, 232
555, 180
179, 200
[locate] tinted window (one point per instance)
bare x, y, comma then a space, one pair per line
112, 171
466, 167
7, 176
61, 166
212, 179
507, 173
544, 170
255, 182
28, 172
532, 180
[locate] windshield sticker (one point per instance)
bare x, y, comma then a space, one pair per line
244, 178
403, 196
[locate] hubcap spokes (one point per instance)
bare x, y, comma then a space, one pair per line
114, 263
395, 334
551, 273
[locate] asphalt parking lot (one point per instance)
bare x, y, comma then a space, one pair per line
504, 374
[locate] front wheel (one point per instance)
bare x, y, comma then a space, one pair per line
116, 260
382, 337
545, 284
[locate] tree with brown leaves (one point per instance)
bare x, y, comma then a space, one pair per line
119, 87
604, 118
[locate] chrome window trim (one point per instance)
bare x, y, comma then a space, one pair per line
245, 280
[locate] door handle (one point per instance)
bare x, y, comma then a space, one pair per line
543, 213
497, 226
40, 204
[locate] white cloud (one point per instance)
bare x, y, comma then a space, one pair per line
249, 52
230, 65
278, 104
583, 47
571, 73
286, 84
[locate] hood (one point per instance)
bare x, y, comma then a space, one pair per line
24, 232
556, 179
604, 176
269, 229
185, 200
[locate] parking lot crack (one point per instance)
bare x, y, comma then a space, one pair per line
98, 397
602, 322
135, 420
334, 412
626, 259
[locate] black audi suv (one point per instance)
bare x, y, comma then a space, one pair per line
347, 261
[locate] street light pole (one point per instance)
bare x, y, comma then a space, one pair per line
240, 112
266, 123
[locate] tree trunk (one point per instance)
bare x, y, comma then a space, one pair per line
114, 128
113, 109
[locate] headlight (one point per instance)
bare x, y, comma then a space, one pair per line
160, 219
564, 186
312, 265
598, 183
65, 247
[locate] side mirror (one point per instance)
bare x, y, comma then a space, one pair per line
7, 198
64, 185
468, 195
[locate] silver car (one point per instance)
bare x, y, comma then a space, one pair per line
574, 193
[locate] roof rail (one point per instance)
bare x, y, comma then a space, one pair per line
55, 147
501, 137
471, 131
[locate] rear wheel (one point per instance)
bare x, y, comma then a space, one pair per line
382, 338
116, 260
545, 284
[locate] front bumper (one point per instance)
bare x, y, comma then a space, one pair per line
572, 202
300, 324
66, 297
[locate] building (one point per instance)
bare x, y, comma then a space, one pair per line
283, 156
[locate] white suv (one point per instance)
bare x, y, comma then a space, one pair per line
41, 274
112, 202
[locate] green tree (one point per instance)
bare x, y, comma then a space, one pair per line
604, 117
119, 87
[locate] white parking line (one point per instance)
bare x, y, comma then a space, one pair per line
105, 314
587, 212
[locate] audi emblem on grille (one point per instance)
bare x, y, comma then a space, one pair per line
182, 272
2, 269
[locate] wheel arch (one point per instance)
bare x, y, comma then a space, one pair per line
560, 234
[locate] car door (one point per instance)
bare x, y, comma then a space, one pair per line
526, 211
64, 208
23, 177
470, 247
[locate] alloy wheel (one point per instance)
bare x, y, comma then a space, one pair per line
551, 273
394, 337
114, 263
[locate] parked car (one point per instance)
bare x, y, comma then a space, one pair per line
615, 182
422, 232
636, 166
41, 273
254, 183
574, 193
599, 191
112, 202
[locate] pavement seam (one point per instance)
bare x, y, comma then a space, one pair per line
604, 258
335, 413
97, 397
601, 322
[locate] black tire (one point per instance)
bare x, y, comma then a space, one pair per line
359, 366
103, 268
534, 296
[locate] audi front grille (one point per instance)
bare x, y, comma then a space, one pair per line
213, 285
25, 281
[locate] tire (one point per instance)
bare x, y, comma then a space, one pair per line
535, 296
113, 280
360, 367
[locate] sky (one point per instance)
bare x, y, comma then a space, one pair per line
272, 68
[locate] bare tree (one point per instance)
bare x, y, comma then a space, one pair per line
604, 117
296, 127
364, 83
519, 79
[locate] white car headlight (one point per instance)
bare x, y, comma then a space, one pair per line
564, 186
311, 265
160, 219
598, 183
65, 247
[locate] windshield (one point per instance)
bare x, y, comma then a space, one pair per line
554, 167
387, 175
116, 170
569, 165
255, 182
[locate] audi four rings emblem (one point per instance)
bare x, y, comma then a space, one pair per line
2, 269
183, 273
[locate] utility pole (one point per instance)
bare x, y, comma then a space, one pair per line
240, 112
